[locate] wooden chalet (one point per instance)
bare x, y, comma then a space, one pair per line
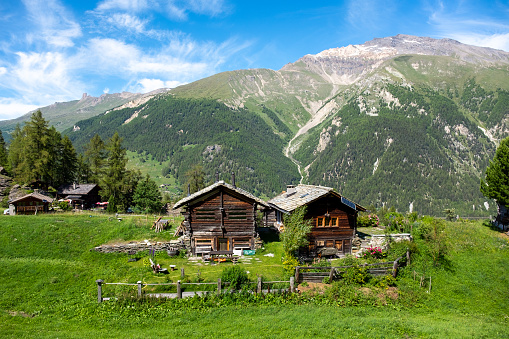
32, 203
334, 218
220, 218
82, 196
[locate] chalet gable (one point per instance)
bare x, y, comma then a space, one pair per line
33, 196
209, 191
303, 195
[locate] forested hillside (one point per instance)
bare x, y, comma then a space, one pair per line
420, 153
200, 131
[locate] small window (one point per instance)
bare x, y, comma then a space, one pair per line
329, 243
333, 222
339, 245
320, 243
320, 222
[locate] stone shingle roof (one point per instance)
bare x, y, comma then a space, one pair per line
212, 187
81, 189
302, 195
36, 195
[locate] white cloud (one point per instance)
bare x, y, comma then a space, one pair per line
128, 21
36, 79
148, 85
106, 90
453, 23
12, 108
3, 70
176, 9
55, 24
126, 5
497, 41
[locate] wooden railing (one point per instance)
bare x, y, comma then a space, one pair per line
318, 274
181, 294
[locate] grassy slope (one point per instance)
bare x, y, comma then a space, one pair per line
48, 272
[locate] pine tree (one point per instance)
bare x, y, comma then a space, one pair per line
496, 184
95, 158
16, 151
36, 156
4, 162
68, 164
114, 174
195, 178
147, 197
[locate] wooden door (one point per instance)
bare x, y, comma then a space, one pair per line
223, 244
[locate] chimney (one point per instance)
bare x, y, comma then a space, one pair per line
74, 185
290, 190
217, 176
188, 189
233, 179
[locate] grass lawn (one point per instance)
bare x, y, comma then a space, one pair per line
48, 289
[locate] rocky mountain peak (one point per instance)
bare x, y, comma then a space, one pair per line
384, 48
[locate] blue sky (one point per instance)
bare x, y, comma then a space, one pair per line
55, 50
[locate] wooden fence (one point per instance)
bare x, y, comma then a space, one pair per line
181, 294
318, 274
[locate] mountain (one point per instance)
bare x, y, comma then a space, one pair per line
403, 121
63, 115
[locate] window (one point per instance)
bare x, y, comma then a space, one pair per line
329, 243
333, 222
339, 245
320, 222
320, 243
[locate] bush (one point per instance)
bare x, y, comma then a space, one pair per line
374, 252
370, 220
64, 206
356, 275
236, 276
289, 264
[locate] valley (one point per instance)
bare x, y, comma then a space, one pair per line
400, 122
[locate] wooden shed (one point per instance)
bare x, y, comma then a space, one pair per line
32, 203
334, 217
220, 218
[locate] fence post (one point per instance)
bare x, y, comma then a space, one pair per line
139, 289
179, 290
407, 256
259, 287
331, 275
182, 274
219, 286
292, 284
395, 268
99, 290
297, 272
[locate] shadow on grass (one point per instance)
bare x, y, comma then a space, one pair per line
268, 234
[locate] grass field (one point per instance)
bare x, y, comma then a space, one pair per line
48, 289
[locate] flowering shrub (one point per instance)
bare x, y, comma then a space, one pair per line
374, 252
370, 220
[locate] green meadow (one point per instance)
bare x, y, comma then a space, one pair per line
48, 289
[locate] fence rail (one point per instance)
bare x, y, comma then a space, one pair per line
180, 294
302, 273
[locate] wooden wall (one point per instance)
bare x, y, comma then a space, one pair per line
337, 230
234, 220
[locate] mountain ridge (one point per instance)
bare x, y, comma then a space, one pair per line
401, 121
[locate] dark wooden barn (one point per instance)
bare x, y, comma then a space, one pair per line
82, 196
334, 218
220, 218
32, 203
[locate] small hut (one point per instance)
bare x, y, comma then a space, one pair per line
32, 203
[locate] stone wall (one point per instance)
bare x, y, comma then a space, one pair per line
139, 247
380, 241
